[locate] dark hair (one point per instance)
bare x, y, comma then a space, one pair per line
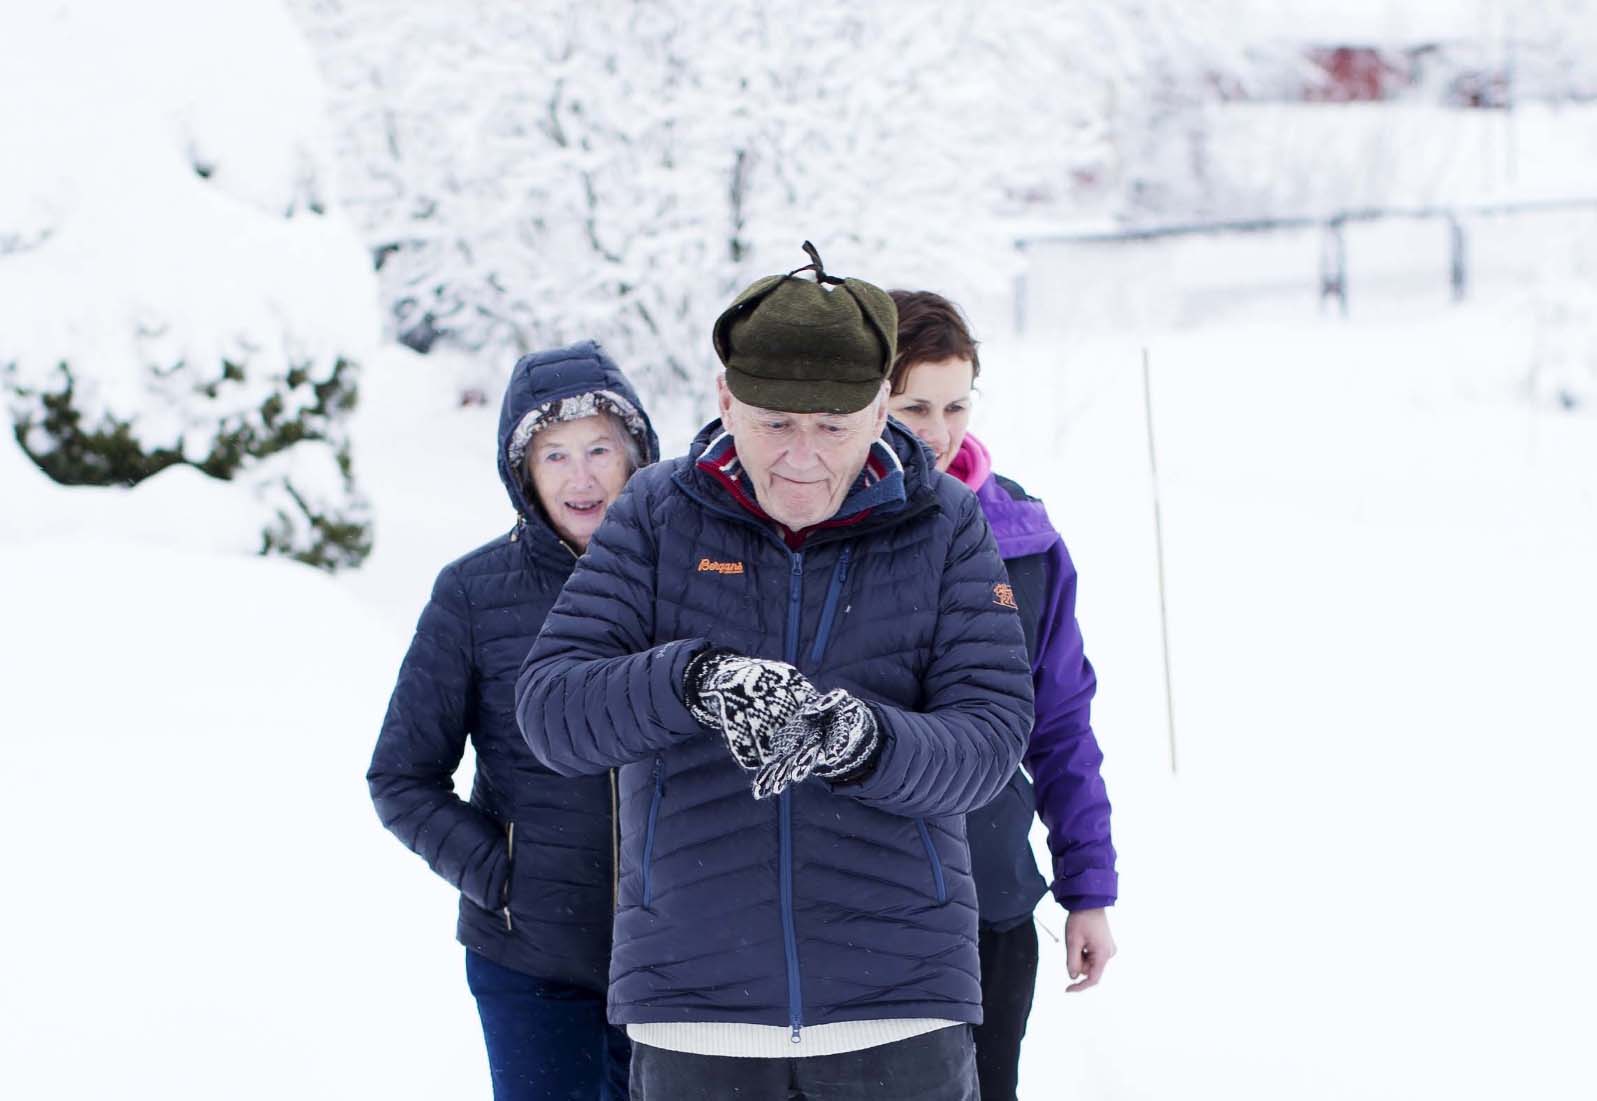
930, 328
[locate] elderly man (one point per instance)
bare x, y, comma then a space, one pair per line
795, 645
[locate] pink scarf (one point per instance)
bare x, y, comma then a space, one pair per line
972, 464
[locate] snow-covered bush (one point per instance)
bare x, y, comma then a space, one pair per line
174, 287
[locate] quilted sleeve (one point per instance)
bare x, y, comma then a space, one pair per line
422, 740
958, 751
1063, 758
594, 693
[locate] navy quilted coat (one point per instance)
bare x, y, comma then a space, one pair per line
826, 904
531, 852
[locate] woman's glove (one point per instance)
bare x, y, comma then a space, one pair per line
749, 700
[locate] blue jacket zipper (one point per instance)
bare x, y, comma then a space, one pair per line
795, 611
648, 832
795, 996
937, 864
829, 611
795, 605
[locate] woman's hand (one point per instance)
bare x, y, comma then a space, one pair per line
1089, 946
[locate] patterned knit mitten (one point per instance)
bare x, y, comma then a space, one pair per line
750, 701
847, 732
833, 737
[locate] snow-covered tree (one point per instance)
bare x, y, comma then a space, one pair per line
1549, 48
529, 174
174, 287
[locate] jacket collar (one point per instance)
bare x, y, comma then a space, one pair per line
892, 485
1019, 522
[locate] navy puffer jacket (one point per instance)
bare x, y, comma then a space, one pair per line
827, 904
531, 852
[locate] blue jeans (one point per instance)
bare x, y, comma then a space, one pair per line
547, 1041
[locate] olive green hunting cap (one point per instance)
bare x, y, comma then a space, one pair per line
808, 347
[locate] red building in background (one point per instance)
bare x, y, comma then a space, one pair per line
1359, 74
1455, 73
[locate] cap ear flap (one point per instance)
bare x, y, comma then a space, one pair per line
743, 304
881, 314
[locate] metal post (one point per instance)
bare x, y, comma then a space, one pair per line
1458, 258
1158, 542
1333, 264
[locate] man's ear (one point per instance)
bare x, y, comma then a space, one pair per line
881, 407
723, 396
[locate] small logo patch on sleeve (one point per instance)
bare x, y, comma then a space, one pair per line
708, 566
1004, 597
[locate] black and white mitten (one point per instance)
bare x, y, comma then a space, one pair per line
750, 701
833, 737
848, 735
794, 753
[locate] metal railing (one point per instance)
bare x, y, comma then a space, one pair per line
1333, 278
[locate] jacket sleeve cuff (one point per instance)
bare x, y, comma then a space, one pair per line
673, 661
849, 785
874, 758
1091, 889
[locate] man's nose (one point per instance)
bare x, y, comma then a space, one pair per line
801, 453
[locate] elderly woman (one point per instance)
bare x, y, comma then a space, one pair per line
933, 376
531, 853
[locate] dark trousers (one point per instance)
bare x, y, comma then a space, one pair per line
937, 1066
547, 1041
1008, 980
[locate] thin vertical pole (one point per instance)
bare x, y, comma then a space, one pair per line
1158, 542
1458, 258
1333, 264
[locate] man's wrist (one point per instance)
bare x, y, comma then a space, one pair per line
693, 674
863, 770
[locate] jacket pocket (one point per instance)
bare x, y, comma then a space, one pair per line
647, 861
938, 882
510, 873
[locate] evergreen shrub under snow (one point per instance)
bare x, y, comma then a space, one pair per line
175, 287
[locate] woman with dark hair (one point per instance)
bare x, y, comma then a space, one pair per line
532, 853
933, 377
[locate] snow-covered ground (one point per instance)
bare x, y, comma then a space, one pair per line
1364, 881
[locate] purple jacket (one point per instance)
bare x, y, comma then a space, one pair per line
1062, 756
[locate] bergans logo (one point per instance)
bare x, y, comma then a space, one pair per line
708, 566
1003, 595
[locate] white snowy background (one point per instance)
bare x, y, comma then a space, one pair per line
1369, 875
